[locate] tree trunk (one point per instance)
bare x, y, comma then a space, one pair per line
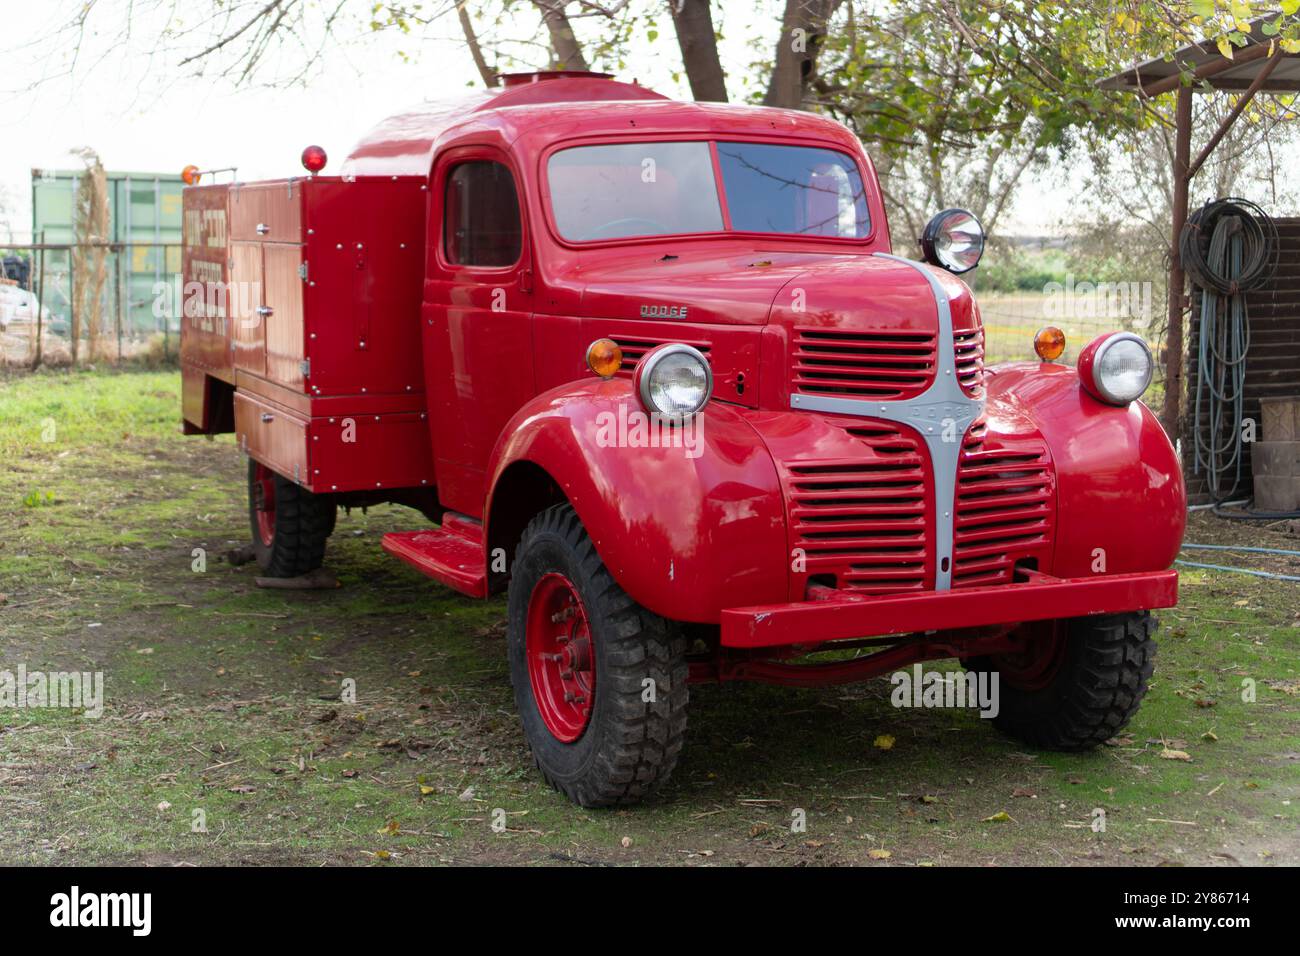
693, 21
795, 68
564, 44
475, 50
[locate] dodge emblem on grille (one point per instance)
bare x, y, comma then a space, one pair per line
663, 312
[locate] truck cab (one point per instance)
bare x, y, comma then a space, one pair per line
655, 370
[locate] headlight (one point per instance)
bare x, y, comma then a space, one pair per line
1116, 367
954, 239
674, 381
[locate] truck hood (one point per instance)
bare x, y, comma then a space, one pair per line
731, 288
755, 287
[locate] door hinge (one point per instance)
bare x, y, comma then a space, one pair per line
305, 367
302, 271
295, 475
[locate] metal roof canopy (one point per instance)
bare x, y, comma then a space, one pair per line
1260, 66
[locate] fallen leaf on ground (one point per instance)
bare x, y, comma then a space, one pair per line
1000, 817
884, 742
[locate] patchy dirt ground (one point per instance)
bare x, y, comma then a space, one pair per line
222, 703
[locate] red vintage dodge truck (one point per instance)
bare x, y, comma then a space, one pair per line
654, 369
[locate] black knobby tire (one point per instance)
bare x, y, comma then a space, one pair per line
302, 524
629, 746
1096, 689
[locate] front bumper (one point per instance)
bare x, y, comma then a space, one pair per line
844, 615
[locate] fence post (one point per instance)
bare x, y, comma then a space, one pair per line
117, 270
40, 306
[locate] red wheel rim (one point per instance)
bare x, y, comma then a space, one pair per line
1034, 667
561, 657
264, 503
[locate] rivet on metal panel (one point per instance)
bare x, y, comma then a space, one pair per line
339, 246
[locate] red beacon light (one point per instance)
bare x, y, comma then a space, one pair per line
313, 159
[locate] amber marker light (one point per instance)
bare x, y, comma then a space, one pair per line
1049, 343
190, 175
604, 357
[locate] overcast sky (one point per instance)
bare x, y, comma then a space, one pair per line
142, 113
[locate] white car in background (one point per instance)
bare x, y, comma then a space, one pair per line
17, 305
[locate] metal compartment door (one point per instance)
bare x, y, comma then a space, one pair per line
282, 295
248, 334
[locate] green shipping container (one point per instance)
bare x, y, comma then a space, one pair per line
143, 208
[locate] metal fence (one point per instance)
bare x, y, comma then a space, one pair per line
129, 318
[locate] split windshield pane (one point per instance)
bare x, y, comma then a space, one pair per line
633, 189
796, 190
627, 190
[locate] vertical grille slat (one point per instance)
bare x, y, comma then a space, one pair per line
859, 364
1004, 508
635, 347
865, 521
968, 349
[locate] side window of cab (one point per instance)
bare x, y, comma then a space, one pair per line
481, 224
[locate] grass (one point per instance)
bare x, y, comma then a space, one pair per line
223, 703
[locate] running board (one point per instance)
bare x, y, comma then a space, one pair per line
452, 553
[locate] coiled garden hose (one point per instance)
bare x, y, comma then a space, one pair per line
1229, 247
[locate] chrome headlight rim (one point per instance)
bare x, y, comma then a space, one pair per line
936, 229
651, 360
1095, 373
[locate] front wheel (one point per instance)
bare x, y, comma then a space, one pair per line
290, 525
599, 681
1077, 683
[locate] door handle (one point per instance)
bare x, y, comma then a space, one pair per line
263, 229
267, 416
265, 310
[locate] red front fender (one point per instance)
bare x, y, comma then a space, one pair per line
1120, 493
687, 528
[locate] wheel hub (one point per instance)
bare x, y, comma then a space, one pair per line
1034, 666
561, 658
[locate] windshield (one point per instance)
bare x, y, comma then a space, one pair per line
626, 190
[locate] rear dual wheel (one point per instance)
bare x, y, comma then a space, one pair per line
1077, 683
599, 681
290, 525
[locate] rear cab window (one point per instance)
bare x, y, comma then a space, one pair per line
481, 223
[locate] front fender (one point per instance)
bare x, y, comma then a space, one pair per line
687, 528
1119, 483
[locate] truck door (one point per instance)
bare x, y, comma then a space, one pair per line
477, 313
